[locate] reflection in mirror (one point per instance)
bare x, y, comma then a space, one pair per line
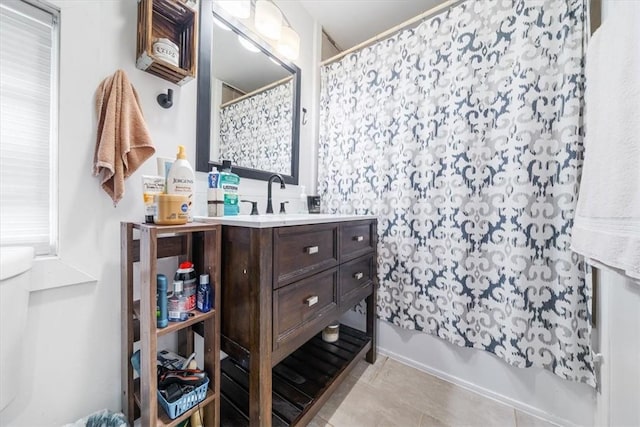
254, 101
255, 129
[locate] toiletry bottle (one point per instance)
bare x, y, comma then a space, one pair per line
151, 185
204, 294
164, 166
181, 179
215, 195
229, 182
187, 275
176, 312
161, 305
303, 201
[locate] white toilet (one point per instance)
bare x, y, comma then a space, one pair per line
15, 283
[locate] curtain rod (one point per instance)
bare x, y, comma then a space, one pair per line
257, 91
426, 14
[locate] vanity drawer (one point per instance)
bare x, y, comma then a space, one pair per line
356, 239
297, 307
303, 250
356, 280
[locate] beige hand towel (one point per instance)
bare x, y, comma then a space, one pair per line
123, 142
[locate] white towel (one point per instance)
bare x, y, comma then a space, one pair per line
607, 223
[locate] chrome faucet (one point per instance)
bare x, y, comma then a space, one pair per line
272, 178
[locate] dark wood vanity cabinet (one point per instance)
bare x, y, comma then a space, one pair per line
281, 286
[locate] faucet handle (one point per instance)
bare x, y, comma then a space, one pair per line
254, 206
282, 211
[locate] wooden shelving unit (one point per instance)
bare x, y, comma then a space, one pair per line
199, 243
176, 20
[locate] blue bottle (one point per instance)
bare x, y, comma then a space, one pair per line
161, 301
204, 294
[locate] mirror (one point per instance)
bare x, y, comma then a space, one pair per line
248, 102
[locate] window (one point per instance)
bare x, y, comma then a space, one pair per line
29, 37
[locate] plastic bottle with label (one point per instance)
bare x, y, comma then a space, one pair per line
161, 306
176, 311
181, 180
215, 194
229, 182
204, 294
187, 274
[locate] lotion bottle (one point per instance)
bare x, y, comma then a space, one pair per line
181, 180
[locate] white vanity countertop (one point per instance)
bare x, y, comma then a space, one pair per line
276, 220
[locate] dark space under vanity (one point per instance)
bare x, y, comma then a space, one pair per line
281, 286
303, 379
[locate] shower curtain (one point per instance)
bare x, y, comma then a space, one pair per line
464, 137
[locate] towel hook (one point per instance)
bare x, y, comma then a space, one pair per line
166, 99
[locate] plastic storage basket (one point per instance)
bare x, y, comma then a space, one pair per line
185, 403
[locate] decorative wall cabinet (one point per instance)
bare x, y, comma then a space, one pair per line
171, 23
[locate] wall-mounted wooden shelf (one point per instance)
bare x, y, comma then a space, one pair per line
175, 20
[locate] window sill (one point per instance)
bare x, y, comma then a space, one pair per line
51, 273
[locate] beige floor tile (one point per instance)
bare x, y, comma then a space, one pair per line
318, 421
356, 404
429, 421
441, 400
338, 397
526, 420
367, 372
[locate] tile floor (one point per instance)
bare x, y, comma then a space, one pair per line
390, 393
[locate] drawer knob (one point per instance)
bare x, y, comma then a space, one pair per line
312, 250
358, 276
312, 300
358, 238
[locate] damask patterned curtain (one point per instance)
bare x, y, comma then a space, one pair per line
464, 136
256, 132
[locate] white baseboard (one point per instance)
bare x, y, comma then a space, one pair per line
520, 406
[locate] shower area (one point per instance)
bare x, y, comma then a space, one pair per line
464, 135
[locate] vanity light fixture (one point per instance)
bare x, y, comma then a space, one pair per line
289, 43
237, 8
269, 21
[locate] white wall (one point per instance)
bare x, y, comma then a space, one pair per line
72, 366
619, 343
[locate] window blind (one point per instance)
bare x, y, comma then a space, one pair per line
28, 126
